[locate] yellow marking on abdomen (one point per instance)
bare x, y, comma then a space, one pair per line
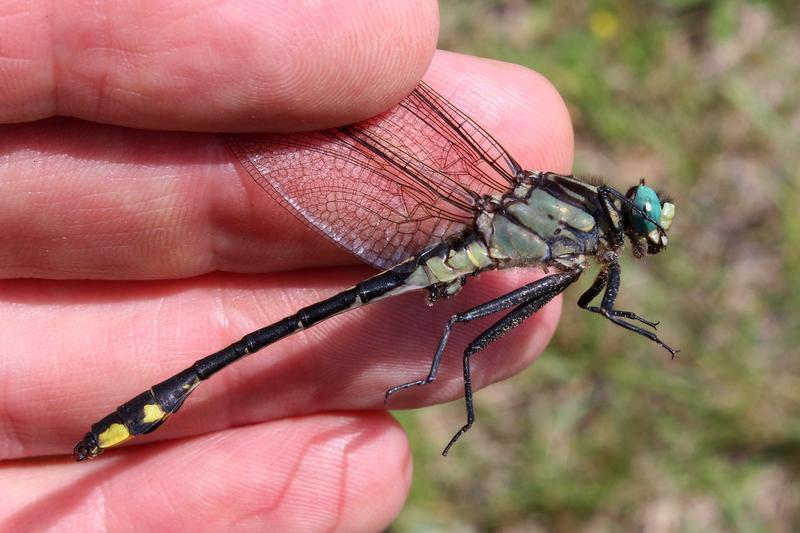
153, 413
113, 435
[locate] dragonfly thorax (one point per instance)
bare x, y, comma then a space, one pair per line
547, 220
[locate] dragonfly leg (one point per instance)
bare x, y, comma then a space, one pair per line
597, 287
523, 294
610, 278
540, 293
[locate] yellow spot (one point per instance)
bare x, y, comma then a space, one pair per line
418, 278
478, 255
440, 270
667, 214
603, 24
152, 413
459, 261
115, 434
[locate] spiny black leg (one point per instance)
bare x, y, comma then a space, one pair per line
546, 289
630, 315
597, 287
607, 307
437, 360
523, 294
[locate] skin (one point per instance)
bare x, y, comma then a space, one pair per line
130, 248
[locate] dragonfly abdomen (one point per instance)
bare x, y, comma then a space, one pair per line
446, 264
443, 265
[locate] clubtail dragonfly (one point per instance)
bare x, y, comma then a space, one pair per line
428, 196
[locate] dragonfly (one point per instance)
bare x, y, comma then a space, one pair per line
428, 196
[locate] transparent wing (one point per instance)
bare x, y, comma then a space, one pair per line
389, 186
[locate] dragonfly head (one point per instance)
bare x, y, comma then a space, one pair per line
648, 220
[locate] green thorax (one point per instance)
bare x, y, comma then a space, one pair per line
548, 220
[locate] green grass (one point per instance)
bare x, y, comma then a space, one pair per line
604, 433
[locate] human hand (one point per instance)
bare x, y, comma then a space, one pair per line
129, 253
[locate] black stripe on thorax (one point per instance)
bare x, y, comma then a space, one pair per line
558, 186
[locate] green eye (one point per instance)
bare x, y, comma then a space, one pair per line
647, 200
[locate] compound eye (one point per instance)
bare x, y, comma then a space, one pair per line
647, 200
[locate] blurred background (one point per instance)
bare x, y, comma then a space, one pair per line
604, 432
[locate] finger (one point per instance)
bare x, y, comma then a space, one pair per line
76, 350
80, 200
518, 106
213, 65
344, 472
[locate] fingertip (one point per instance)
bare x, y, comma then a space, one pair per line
363, 60
217, 66
517, 105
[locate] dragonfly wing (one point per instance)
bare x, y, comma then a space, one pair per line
387, 187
